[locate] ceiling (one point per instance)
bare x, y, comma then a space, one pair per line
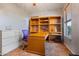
30, 9
40, 6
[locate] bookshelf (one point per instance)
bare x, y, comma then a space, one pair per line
39, 28
46, 25
34, 25
55, 25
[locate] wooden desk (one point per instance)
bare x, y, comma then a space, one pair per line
36, 45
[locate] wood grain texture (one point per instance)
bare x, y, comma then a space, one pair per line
36, 45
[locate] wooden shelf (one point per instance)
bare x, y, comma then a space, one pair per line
43, 24
56, 34
55, 24
55, 17
40, 27
34, 24
43, 20
33, 31
50, 24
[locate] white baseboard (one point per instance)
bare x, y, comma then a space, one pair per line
69, 48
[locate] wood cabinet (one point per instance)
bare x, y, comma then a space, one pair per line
39, 27
36, 45
45, 25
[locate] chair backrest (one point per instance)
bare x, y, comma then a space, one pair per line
25, 34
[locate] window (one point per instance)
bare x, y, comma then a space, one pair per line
67, 24
67, 29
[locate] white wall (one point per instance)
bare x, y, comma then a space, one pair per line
73, 43
12, 16
75, 28
57, 12
26, 23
